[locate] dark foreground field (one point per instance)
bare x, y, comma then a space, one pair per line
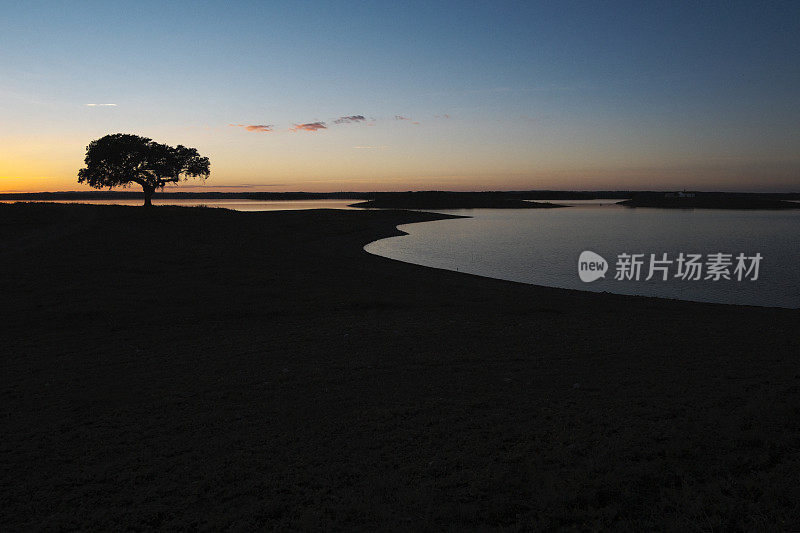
185, 368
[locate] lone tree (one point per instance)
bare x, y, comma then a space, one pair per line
121, 159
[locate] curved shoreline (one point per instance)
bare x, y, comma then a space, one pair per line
187, 367
527, 283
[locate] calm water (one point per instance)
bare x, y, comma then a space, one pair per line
237, 205
542, 246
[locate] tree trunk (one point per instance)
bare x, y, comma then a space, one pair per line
148, 195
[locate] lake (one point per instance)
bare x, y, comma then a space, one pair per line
542, 247
237, 205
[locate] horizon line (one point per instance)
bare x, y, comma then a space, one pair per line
571, 191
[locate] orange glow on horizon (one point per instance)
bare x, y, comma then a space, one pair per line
342, 161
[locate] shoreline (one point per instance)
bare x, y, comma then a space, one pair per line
525, 283
181, 367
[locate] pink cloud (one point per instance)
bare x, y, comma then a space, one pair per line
261, 128
311, 126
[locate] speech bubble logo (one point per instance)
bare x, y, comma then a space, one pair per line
591, 266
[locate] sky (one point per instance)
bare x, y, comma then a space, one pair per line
369, 96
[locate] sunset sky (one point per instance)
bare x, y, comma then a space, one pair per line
332, 96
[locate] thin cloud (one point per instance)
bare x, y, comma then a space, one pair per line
348, 120
207, 186
260, 128
401, 117
445, 116
245, 186
101, 105
311, 126
368, 147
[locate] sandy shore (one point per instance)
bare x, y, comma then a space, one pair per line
183, 368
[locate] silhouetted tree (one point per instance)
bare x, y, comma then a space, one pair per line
121, 159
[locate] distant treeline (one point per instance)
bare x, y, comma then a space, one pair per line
451, 200
214, 195
713, 200
211, 195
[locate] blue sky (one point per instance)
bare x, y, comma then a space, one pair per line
499, 95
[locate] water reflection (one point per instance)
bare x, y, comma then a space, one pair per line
236, 205
541, 246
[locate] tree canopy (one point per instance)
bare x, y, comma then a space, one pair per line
121, 159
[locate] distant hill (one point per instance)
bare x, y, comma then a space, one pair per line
708, 200
451, 200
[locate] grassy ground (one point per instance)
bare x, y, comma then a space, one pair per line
185, 368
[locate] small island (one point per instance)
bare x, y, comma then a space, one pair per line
708, 200
450, 200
